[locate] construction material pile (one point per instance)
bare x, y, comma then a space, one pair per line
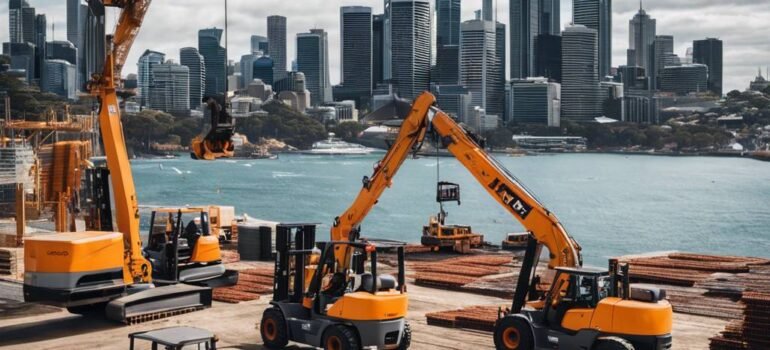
685, 269
8, 262
461, 272
252, 283
750, 333
480, 318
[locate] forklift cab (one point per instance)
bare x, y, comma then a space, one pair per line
575, 289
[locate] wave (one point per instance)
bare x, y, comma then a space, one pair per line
277, 174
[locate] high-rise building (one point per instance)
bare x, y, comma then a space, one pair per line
613, 100
447, 42
663, 54
709, 52
40, 46
74, 27
550, 17
264, 70
410, 34
356, 51
147, 61
192, 59
387, 40
535, 101
685, 79
378, 49
62, 50
641, 37
260, 43
525, 25
597, 15
455, 100
61, 78
21, 18
548, 56
633, 78
313, 60
210, 47
580, 94
170, 91
22, 58
642, 107
247, 69
479, 64
93, 51
497, 104
276, 35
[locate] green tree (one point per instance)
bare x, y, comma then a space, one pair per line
702, 140
348, 131
146, 127
735, 94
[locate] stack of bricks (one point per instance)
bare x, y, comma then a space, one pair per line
8, 262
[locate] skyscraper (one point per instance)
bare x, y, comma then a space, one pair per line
93, 50
62, 50
356, 50
479, 65
410, 30
663, 55
535, 101
313, 60
378, 49
685, 79
247, 69
192, 59
276, 35
447, 41
550, 17
263, 70
61, 78
525, 25
74, 29
147, 61
548, 56
260, 43
209, 46
641, 37
709, 52
170, 91
40, 46
597, 15
497, 105
16, 20
579, 83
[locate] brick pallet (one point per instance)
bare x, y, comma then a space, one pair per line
750, 333
480, 318
252, 283
7, 262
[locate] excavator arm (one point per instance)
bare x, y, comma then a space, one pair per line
499, 183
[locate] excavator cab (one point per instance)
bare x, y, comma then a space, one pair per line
217, 142
319, 302
181, 248
438, 235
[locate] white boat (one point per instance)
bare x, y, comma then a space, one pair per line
335, 146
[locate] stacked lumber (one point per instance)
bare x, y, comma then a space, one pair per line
230, 256
8, 262
750, 333
460, 272
252, 283
480, 318
686, 269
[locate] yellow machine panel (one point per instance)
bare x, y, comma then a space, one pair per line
615, 315
577, 319
364, 306
74, 252
206, 250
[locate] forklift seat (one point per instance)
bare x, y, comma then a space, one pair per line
647, 293
363, 282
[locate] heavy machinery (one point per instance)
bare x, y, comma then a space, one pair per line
584, 309
89, 271
217, 141
437, 234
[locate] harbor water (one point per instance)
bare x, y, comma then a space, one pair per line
612, 204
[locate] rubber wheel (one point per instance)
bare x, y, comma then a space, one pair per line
273, 329
406, 338
613, 343
339, 337
513, 333
88, 310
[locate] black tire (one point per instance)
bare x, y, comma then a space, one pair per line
513, 333
339, 337
273, 329
612, 343
88, 310
406, 339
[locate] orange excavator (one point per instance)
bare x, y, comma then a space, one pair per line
584, 309
109, 271
217, 142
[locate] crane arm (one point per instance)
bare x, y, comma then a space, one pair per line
500, 184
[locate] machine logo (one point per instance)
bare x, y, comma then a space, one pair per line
58, 253
510, 198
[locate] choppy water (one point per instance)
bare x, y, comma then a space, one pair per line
612, 204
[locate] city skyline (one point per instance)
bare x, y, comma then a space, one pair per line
737, 24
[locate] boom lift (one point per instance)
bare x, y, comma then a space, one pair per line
84, 271
584, 309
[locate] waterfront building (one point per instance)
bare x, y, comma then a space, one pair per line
276, 36
759, 83
264, 70
550, 17
641, 38
193, 60
247, 69
632, 77
313, 60
62, 50
170, 91
535, 101
479, 65
356, 51
685, 79
378, 49
447, 42
257, 88
482, 122
613, 100
147, 61
455, 100
597, 15
61, 78
410, 54
709, 52
548, 56
210, 47
524, 18
580, 94
344, 111
642, 106
260, 44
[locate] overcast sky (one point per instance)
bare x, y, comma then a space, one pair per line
173, 24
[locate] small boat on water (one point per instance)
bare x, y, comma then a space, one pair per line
335, 146
263, 154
